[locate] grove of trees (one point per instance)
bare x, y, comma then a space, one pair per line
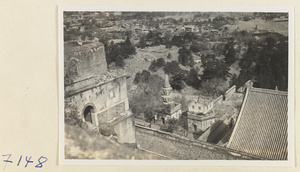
266, 65
156, 64
148, 99
118, 52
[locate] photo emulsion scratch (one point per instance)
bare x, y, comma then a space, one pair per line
169, 85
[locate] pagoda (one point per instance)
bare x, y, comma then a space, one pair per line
167, 91
171, 109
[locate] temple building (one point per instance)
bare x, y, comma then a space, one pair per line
96, 95
170, 108
199, 104
200, 114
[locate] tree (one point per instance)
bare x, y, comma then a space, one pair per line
161, 62
209, 21
178, 41
168, 36
169, 56
142, 80
142, 42
153, 67
189, 36
137, 78
210, 87
128, 48
193, 79
94, 21
120, 61
279, 66
268, 65
234, 81
214, 68
178, 81
197, 47
185, 56
83, 36
156, 64
230, 52
148, 100
112, 52
118, 52
173, 68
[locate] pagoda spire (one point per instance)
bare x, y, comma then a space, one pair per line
167, 89
167, 83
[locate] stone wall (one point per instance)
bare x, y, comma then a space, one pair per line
102, 98
227, 94
125, 129
230, 91
84, 61
218, 100
178, 147
111, 113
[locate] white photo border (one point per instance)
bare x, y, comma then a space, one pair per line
208, 163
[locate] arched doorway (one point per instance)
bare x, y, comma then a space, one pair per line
88, 113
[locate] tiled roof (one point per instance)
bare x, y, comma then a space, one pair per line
261, 128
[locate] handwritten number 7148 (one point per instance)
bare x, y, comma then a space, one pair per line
41, 161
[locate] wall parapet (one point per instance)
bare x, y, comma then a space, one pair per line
231, 90
218, 99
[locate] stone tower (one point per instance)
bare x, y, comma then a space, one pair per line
167, 89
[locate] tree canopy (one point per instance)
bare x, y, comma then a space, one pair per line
118, 52
185, 57
148, 99
266, 65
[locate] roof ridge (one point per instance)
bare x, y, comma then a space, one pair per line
270, 91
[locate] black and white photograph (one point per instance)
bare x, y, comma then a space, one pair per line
175, 85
